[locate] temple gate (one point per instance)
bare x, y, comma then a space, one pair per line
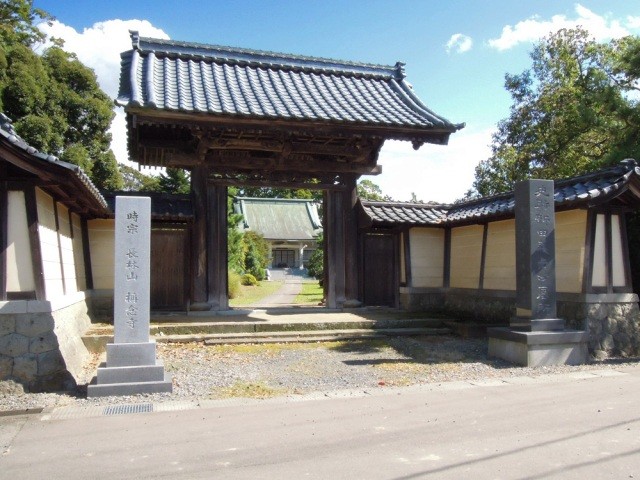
237, 117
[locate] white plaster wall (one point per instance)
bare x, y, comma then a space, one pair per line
599, 274
102, 247
571, 230
619, 279
500, 259
19, 267
466, 256
66, 250
427, 257
49, 247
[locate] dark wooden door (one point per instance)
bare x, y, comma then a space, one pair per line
380, 273
169, 266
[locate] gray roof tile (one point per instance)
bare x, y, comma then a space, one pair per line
191, 77
8, 133
577, 192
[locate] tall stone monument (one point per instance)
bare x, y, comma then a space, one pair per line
131, 365
536, 336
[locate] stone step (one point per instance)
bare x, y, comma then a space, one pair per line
129, 388
97, 343
252, 326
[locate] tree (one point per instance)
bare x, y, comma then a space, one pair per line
174, 180
367, 190
571, 112
53, 99
136, 181
272, 192
315, 264
256, 254
18, 21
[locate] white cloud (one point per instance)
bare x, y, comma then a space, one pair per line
99, 48
459, 43
633, 22
435, 172
534, 28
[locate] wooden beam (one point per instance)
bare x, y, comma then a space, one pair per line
86, 252
446, 274
144, 116
349, 218
34, 240
199, 268
406, 236
59, 238
4, 228
217, 247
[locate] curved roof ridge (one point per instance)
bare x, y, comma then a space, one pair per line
253, 56
8, 132
588, 190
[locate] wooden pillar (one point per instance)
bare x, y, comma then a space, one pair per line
341, 240
86, 253
350, 229
218, 297
4, 212
34, 240
199, 268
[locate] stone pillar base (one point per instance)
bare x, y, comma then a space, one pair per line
535, 349
131, 369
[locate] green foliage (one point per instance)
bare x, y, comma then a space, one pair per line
271, 192
571, 112
175, 180
18, 21
235, 245
234, 288
105, 173
136, 181
256, 254
53, 99
78, 155
249, 280
315, 265
367, 190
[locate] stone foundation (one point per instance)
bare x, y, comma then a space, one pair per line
612, 320
40, 342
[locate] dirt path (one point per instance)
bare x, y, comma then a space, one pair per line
284, 297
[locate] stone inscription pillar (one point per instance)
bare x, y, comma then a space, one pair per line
535, 257
131, 365
536, 336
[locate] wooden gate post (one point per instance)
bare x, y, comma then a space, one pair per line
217, 247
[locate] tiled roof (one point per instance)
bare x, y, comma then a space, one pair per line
8, 133
577, 192
197, 78
164, 206
280, 219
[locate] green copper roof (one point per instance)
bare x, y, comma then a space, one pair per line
280, 219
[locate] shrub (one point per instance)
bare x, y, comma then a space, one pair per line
257, 254
234, 284
315, 264
249, 280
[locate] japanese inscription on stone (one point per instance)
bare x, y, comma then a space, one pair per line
132, 265
535, 249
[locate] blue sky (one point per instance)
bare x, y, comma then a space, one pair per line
456, 53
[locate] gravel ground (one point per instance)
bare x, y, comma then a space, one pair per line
261, 371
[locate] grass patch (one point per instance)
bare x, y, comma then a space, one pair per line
311, 293
249, 390
253, 294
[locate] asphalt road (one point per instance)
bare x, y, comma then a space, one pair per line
561, 427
